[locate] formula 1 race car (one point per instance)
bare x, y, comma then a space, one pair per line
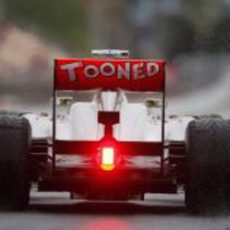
109, 139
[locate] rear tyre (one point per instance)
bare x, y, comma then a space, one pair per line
208, 165
15, 138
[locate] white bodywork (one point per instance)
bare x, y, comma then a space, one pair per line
136, 123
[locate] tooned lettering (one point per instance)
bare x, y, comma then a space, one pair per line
126, 70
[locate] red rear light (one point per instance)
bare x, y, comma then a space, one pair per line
107, 158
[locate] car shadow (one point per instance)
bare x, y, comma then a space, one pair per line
108, 207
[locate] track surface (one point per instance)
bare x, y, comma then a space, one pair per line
55, 211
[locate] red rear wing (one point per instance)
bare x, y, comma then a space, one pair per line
109, 74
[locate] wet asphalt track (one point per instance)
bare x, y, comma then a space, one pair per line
161, 212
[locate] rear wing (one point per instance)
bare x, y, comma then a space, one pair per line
109, 74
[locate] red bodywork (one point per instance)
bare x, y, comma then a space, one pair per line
86, 74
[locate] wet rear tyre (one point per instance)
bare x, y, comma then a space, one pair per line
15, 138
208, 165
